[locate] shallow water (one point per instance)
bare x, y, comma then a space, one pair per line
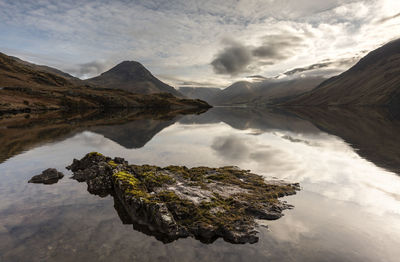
348, 208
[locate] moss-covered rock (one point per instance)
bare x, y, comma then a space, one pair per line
176, 201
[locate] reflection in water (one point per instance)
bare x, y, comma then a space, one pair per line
374, 133
131, 128
134, 134
348, 209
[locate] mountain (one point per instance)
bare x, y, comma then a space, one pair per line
27, 87
373, 81
203, 93
265, 92
133, 77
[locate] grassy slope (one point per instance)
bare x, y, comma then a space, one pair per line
25, 87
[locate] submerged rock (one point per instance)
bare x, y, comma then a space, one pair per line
175, 201
48, 176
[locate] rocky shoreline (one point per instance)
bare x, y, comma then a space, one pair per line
177, 202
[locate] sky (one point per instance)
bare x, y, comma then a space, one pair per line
203, 43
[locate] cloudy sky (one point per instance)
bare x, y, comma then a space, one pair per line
199, 43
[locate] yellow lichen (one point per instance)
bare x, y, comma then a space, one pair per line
112, 163
131, 185
156, 179
95, 154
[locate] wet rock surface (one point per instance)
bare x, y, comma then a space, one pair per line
176, 202
48, 176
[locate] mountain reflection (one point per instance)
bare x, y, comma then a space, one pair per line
134, 134
373, 133
129, 128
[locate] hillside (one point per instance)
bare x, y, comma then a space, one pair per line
373, 81
265, 92
27, 87
133, 77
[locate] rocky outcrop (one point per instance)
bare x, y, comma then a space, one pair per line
48, 176
175, 202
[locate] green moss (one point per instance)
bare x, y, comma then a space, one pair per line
168, 196
112, 163
154, 179
140, 183
180, 170
199, 173
145, 168
95, 154
130, 184
127, 178
226, 215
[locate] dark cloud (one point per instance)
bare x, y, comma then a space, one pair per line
266, 155
324, 64
277, 47
231, 147
237, 58
88, 69
232, 60
238, 149
257, 78
297, 140
307, 68
196, 84
383, 20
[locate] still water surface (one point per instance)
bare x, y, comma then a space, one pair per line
348, 208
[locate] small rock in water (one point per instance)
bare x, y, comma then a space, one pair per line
48, 176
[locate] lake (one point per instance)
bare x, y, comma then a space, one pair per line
346, 161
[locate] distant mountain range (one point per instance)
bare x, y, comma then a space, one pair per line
132, 76
26, 87
265, 92
373, 81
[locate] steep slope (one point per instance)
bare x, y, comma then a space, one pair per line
48, 69
265, 92
27, 87
373, 81
133, 77
203, 93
